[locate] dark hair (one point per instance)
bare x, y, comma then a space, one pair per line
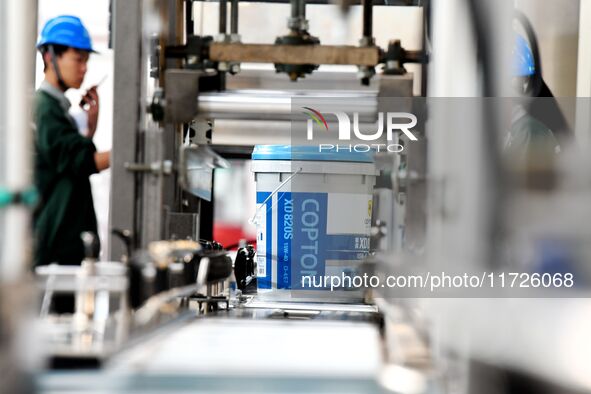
57, 49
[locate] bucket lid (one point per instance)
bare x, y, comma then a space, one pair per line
311, 153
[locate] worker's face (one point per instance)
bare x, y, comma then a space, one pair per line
72, 67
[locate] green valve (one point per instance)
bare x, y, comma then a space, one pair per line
5, 197
30, 197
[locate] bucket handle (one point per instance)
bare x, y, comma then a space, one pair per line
253, 219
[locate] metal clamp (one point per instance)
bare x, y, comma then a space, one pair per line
158, 167
298, 24
231, 67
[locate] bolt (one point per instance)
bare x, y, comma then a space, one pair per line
223, 38
297, 24
366, 41
234, 68
365, 72
391, 64
223, 66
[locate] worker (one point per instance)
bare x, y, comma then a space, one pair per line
64, 158
529, 135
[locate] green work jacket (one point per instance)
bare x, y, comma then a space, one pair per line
64, 160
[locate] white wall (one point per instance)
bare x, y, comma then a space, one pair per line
584, 61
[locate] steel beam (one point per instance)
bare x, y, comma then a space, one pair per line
294, 54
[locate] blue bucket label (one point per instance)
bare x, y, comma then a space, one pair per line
264, 240
311, 234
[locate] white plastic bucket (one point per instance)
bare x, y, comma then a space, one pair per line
313, 220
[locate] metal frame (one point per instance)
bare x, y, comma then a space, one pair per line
147, 202
127, 19
150, 203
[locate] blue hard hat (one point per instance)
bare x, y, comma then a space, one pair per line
523, 58
66, 30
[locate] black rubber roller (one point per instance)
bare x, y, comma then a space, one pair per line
220, 266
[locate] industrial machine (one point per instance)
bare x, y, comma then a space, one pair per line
187, 103
173, 309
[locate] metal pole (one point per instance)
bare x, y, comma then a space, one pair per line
16, 89
129, 69
297, 21
367, 19
223, 16
189, 23
234, 17
298, 10
276, 105
295, 8
18, 28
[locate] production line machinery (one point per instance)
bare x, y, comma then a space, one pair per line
175, 311
192, 92
183, 106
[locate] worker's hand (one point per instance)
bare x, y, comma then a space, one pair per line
90, 104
